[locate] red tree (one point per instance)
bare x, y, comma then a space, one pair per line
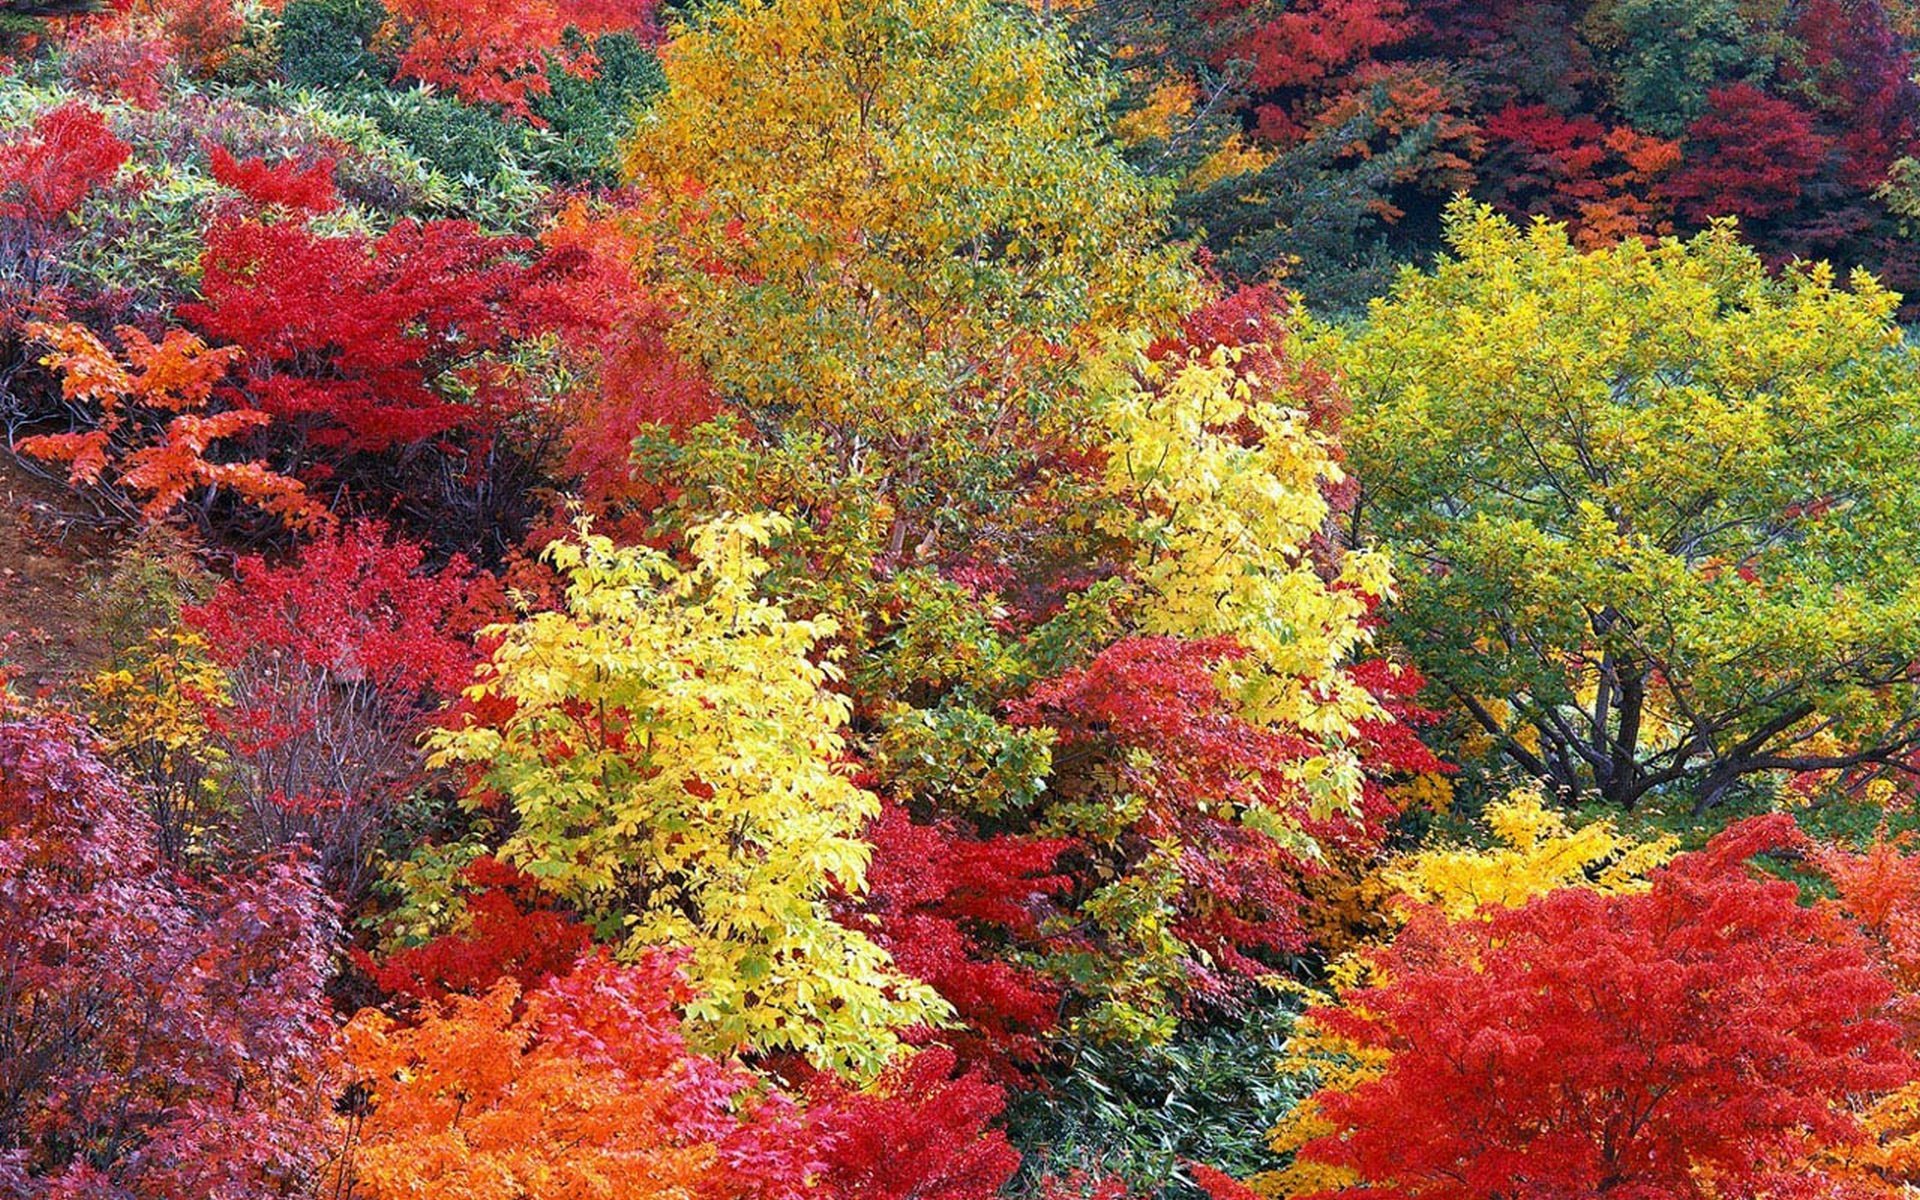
1699, 1039
922, 1134
1748, 156
510, 932
334, 661
289, 183
361, 344
46, 170
498, 51
947, 905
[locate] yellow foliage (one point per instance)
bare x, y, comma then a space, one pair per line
675, 759
1155, 119
1232, 531
1537, 852
1235, 156
874, 207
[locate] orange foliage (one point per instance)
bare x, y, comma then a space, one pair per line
157, 458
582, 1088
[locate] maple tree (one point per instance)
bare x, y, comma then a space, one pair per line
500, 51
1597, 536
947, 903
922, 1133
333, 663
159, 459
585, 1085
46, 170
508, 929
1704, 1035
358, 344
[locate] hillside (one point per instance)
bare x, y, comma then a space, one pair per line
959, 599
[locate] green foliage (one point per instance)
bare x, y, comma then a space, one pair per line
324, 43
1653, 505
1311, 215
589, 118
1668, 54
1144, 1112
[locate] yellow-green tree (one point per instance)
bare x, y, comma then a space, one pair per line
1655, 506
673, 754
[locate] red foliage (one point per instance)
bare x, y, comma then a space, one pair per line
159, 1038
49, 169
1390, 750
1601, 180
1322, 41
1700, 1039
1863, 72
1146, 719
359, 344
922, 1134
1259, 321
201, 33
942, 902
285, 184
334, 661
635, 379
1149, 711
498, 51
1749, 156
1880, 888
118, 60
1219, 1185
510, 933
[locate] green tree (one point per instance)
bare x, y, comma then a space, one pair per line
1656, 508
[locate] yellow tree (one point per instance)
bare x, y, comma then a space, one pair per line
891, 224
1224, 488
1535, 851
674, 757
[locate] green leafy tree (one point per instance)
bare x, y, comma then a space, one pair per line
1655, 507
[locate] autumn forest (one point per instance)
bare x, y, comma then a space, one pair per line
959, 599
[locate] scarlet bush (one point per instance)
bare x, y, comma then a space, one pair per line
66, 153
303, 187
949, 907
922, 1134
1702, 1038
498, 51
510, 932
360, 344
334, 662
46, 170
